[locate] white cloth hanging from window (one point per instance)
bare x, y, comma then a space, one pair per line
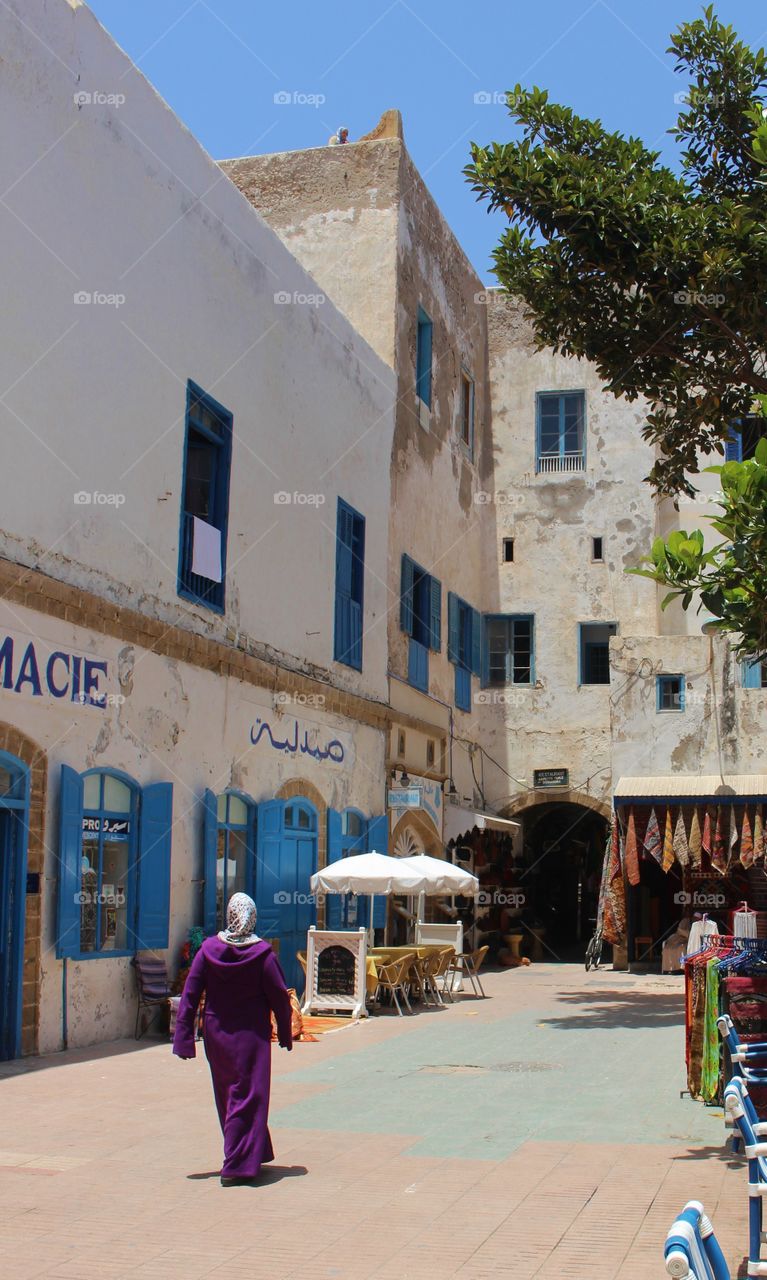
700, 931
744, 922
206, 550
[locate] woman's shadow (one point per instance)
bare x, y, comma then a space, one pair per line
275, 1173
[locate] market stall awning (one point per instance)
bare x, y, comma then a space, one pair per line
459, 820
678, 786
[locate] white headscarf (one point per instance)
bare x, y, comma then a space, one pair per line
240, 928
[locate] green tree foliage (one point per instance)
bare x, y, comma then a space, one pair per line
658, 277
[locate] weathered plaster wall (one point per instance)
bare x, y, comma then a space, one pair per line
168, 721
336, 210
95, 392
720, 730
553, 518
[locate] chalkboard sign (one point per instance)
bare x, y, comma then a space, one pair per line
335, 971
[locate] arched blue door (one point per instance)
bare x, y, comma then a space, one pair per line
14, 826
287, 859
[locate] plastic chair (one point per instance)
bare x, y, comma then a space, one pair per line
692, 1251
442, 970
153, 988
748, 1061
739, 1108
391, 978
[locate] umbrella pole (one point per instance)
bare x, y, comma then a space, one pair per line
371, 932
421, 911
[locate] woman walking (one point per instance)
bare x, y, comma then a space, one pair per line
243, 985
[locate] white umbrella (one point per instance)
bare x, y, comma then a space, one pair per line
369, 873
441, 876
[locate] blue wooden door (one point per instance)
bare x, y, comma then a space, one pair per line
286, 861
12, 902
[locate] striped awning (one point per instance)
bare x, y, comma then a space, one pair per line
679, 786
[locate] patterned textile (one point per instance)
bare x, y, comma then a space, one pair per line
697, 1015
719, 854
240, 928
668, 843
696, 840
706, 837
733, 832
681, 850
746, 841
652, 841
630, 850
709, 1076
614, 908
758, 835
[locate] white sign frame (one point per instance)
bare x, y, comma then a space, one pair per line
428, 935
317, 941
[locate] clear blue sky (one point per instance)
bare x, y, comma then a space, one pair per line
219, 64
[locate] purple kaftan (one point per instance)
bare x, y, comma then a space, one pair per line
242, 986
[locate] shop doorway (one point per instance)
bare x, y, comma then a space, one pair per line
14, 825
563, 850
287, 859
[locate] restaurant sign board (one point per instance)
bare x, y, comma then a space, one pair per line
405, 798
551, 778
336, 971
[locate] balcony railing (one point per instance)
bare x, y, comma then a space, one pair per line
549, 462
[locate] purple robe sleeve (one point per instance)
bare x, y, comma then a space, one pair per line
183, 1040
277, 998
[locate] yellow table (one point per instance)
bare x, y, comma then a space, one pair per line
386, 955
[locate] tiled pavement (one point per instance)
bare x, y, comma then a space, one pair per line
538, 1133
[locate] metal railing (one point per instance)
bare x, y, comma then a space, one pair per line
549, 462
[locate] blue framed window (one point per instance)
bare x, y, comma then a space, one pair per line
464, 634
753, 675
350, 576
594, 652
423, 358
205, 503
114, 864
420, 619
466, 419
560, 431
509, 653
743, 437
669, 693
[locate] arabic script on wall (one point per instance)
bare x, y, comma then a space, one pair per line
304, 742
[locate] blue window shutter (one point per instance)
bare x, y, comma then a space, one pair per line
70, 858
155, 832
463, 688
476, 643
378, 842
209, 842
271, 827
334, 901
751, 674
418, 666
485, 656
733, 449
406, 596
453, 637
435, 612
